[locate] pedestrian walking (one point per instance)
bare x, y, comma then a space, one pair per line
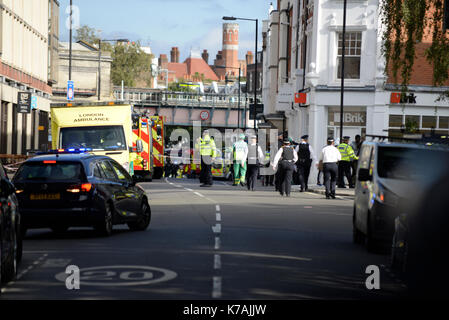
286, 157
206, 146
240, 154
306, 156
344, 166
330, 156
255, 158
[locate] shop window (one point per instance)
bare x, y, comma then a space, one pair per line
444, 123
429, 122
412, 123
395, 121
353, 50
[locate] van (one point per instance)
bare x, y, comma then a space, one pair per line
391, 177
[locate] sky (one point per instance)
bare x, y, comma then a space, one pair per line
163, 24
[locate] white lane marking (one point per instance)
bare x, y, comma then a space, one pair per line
188, 189
312, 193
199, 194
21, 274
217, 207
218, 217
216, 291
217, 228
217, 243
217, 262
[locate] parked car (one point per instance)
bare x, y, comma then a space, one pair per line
390, 179
421, 241
68, 188
10, 239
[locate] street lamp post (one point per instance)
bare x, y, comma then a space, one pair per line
342, 71
255, 70
99, 60
238, 107
70, 43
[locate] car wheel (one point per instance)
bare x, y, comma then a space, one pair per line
104, 228
143, 221
10, 269
357, 235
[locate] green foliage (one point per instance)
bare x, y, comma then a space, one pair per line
129, 63
89, 35
404, 24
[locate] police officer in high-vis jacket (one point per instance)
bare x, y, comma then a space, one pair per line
208, 152
344, 166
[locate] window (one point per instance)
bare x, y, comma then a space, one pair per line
353, 50
444, 123
395, 121
97, 172
120, 172
107, 170
429, 122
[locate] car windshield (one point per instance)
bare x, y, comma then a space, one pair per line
96, 138
61, 171
408, 163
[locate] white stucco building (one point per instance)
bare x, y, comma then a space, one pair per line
307, 35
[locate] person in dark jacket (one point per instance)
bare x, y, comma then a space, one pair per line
286, 157
305, 158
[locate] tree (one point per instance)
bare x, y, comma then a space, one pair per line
406, 22
129, 63
90, 35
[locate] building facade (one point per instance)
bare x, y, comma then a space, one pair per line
303, 53
85, 73
28, 55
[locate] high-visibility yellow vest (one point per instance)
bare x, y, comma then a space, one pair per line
207, 147
347, 153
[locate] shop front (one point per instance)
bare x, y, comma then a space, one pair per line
354, 122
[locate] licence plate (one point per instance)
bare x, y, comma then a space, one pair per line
46, 196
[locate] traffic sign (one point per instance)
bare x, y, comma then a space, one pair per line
204, 115
33, 102
70, 90
259, 109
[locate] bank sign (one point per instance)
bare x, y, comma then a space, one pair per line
349, 119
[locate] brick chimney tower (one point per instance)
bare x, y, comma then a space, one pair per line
174, 55
205, 56
231, 48
249, 58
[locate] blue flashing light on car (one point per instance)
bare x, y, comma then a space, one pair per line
66, 151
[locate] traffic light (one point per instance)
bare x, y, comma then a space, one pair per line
446, 16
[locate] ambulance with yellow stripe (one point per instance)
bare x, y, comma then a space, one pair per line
149, 163
105, 129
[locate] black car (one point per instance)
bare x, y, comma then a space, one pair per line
62, 190
10, 239
390, 179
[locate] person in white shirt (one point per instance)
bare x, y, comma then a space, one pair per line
330, 157
286, 157
305, 158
